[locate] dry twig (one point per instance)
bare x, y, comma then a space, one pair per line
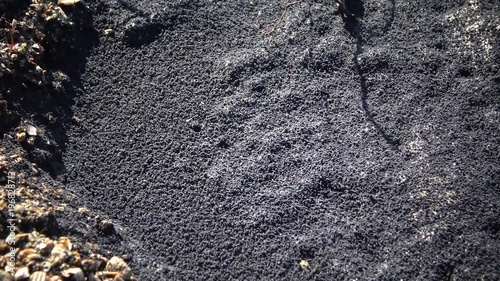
283, 14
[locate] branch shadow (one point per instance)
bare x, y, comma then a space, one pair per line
355, 30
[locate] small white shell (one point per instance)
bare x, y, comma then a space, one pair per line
31, 130
75, 273
22, 274
115, 264
109, 32
67, 2
304, 265
38, 276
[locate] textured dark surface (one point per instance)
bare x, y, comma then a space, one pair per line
368, 146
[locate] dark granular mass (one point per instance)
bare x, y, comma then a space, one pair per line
342, 145
275, 140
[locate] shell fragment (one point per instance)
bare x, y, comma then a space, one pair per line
67, 2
